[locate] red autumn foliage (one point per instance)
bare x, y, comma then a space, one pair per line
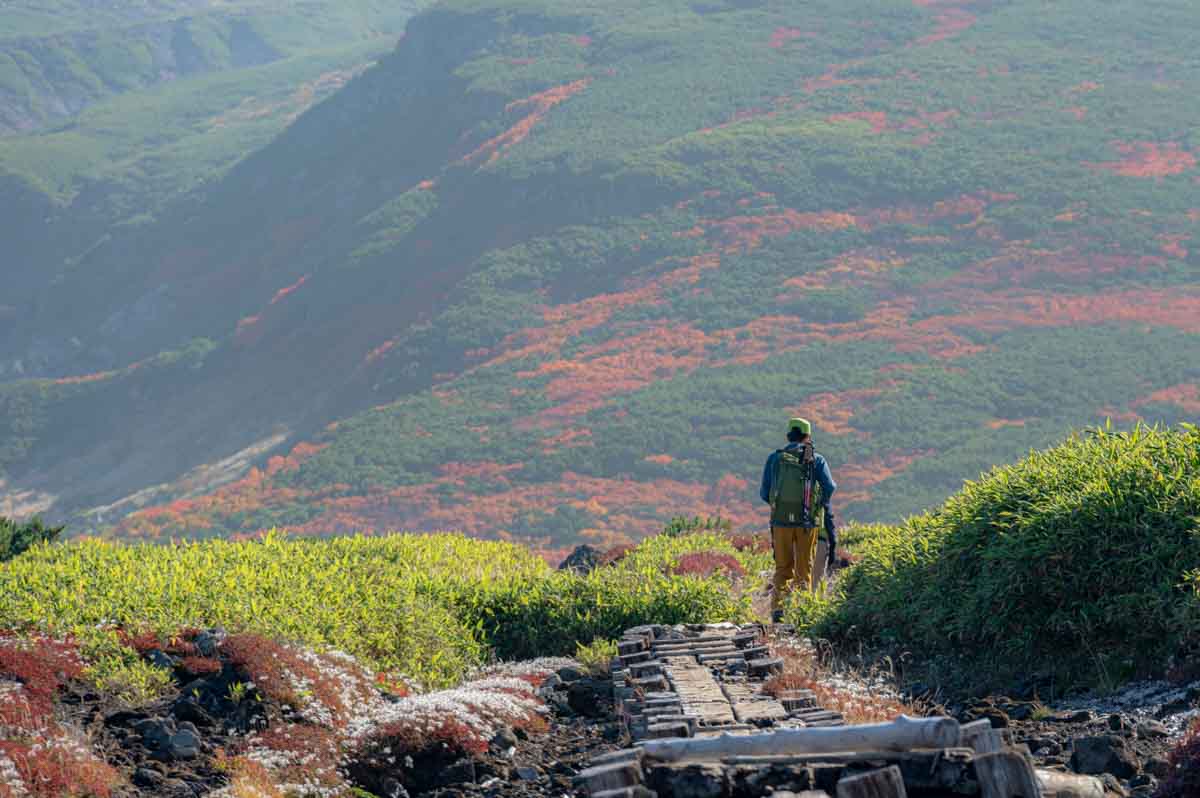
746, 233
50, 762
1184, 781
284, 293
450, 733
1148, 159
539, 104
57, 768
616, 554
1185, 396
276, 669
99, 376
201, 666
757, 543
1173, 245
41, 666
315, 752
708, 563
782, 36
141, 642
950, 22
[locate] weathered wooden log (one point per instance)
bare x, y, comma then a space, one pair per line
902, 734
671, 729
623, 755
626, 792
611, 776
982, 738
762, 668
696, 780
1055, 784
885, 783
744, 639
651, 667
947, 770
771, 780
631, 646
1006, 774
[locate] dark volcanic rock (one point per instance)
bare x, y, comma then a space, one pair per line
583, 560
571, 673
583, 699
1106, 754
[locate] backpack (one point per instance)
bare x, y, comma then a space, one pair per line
796, 495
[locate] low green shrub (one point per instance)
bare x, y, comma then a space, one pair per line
1078, 562
422, 607
597, 656
16, 538
555, 615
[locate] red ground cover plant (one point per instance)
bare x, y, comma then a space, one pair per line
284, 293
616, 554
57, 767
781, 36
950, 22
1149, 159
539, 104
38, 757
201, 666
709, 563
312, 753
747, 542
1186, 397
1184, 781
40, 666
1173, 245
323, 688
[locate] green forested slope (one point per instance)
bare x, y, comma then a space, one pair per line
562, 270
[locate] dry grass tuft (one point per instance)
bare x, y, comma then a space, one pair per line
803, 670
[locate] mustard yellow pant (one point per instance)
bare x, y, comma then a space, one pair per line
795, 548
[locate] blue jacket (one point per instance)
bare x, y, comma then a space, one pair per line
828, 486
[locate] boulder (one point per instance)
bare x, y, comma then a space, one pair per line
583, 560
527, 773
1152, 730
156, 732
571, 673
582, 699
183, 744
147, 778
207, 642
1104, 754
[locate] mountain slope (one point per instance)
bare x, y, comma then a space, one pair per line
561, 272
110, 110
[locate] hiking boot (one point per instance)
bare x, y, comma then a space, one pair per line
777, 616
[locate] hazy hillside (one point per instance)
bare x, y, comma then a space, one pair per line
563, 270
109, 110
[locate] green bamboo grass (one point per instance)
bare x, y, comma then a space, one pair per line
1079, 562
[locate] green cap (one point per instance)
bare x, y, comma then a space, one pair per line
800, 424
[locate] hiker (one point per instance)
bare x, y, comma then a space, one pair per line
797, 484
